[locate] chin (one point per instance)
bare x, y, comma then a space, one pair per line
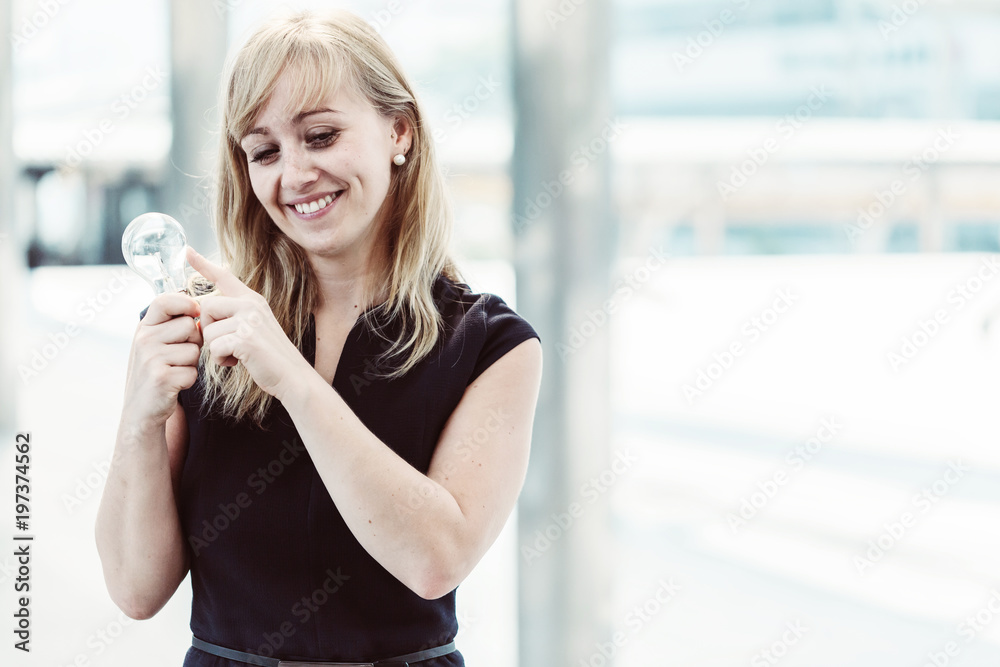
332, 239
329, 246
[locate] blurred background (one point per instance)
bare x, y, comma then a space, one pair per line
760, 241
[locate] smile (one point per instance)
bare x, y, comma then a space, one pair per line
316, 204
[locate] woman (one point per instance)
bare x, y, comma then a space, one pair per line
332, 439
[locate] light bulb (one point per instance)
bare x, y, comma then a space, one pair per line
153, 245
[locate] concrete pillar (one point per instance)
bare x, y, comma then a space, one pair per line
198, 44
564, 246
11, 246
709, 219
932, 217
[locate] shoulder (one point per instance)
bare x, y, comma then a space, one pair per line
478, 326
460, 306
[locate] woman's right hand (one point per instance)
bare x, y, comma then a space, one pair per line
163, 360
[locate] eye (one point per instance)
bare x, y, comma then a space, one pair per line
263, 155
322, 139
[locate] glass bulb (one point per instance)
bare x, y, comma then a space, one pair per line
153, 245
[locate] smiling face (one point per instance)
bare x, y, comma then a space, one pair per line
323, 174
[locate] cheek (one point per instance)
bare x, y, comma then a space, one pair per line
376, 191
364, 160
376, 172
263, 187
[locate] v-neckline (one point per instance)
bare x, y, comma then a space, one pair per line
312, 340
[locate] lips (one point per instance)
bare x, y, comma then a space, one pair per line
307, 207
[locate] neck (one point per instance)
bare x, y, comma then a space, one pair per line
341, 282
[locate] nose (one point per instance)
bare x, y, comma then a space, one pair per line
299, 170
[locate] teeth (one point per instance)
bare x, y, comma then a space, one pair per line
313, 206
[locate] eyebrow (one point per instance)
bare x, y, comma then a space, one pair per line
298, 119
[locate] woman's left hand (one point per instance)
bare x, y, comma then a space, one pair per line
238, 327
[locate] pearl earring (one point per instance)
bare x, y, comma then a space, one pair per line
399, 160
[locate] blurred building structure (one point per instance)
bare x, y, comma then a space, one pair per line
684, 70
882, 58
566, 242
824, 77
10, 257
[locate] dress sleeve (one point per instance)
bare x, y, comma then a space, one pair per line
505, 330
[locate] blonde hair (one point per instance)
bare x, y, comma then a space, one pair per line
411, 249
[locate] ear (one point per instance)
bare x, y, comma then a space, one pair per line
402, 135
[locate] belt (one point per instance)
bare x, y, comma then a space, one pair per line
261, 661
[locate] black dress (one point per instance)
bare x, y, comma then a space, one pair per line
274, 568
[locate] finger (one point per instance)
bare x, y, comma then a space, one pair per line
217, 329
223, 350
168, 306
182, 377
227, 283
181, 354
180, 329
246, 318
195, 335
216, 308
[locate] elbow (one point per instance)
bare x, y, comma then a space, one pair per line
140, 593
437, 577
433, 587
136, 608
135, 595
138, 613
137, 599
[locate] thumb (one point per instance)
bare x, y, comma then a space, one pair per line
223, 278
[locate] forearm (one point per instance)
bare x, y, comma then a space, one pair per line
138, 530
408, 522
